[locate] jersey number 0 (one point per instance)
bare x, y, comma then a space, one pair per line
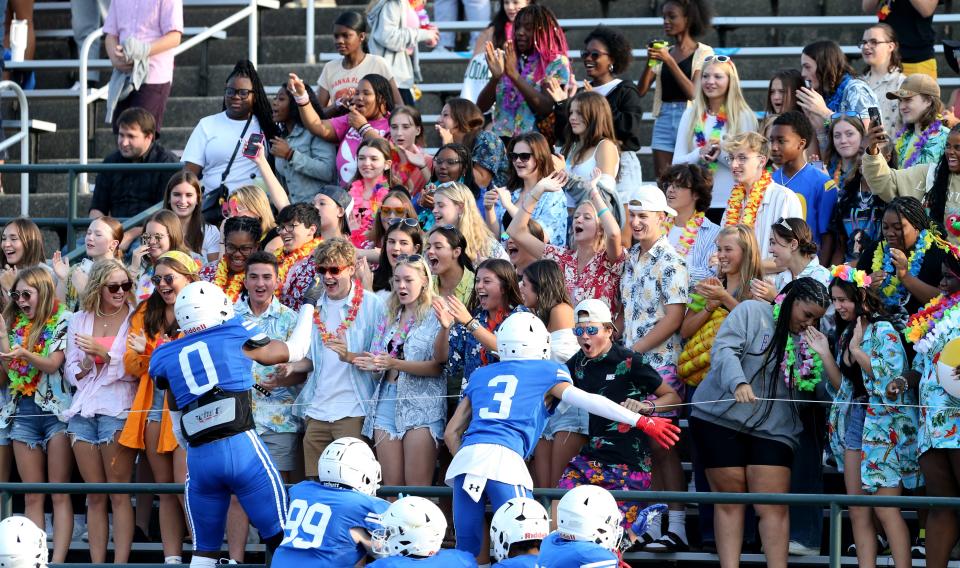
206, 361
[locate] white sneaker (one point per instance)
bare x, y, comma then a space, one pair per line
797, 549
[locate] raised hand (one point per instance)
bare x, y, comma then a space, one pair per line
295, 85
61, 265
495, 60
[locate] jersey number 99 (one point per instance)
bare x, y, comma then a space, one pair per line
310, 520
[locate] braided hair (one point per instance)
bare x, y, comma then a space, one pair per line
936, 198
249, 225
261, 104
910, 209
549, 41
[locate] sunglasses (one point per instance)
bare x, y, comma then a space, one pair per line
242, 93
409, 258
782, 222
333, 270
114, 288
166, 278
17, 294
589, 330
405, 220
393, 211
592, 54
520, 156
717, 58
851, 113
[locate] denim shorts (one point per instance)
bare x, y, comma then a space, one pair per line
666, 126
571, 419
853, 437
97, 430
156, 409
34, 426
5, 436
385, 418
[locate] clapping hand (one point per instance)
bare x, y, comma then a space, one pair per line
61, 265
137, 343
554, 89
495, 60
339, 346
817, 341
89, 345
443, 313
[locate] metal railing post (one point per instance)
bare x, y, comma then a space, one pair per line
83, 124
24, 135
311, 31
71, 207
834, 529
253, 33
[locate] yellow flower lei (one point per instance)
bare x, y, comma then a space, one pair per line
230, 286
737, 212
286, 261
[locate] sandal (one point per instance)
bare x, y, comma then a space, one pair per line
669, 542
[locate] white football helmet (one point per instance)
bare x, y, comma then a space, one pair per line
22, 544
589, 513
517, 520
350, 461
201, 305
523, 336
412, 526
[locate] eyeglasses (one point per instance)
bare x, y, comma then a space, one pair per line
445, 162
520, 156
287, 227
245, 250
166, 278
871, 43
717, 58
393, 210
333, 270
17, 294
406, 221
114, 288
409, 258
739, 159
589, 330
593, 54
838, 115
230, 92
155, 238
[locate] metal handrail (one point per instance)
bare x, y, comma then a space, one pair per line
835, 502
24, 138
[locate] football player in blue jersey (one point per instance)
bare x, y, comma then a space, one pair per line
588, 531
500, 418
208, 373
413, 529
331, 520
516, 530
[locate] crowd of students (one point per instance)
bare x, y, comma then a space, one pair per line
786, 285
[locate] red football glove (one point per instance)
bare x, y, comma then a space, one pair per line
662, 430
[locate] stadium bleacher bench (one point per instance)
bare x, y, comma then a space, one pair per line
36, 128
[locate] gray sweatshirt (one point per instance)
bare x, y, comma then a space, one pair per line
736, 358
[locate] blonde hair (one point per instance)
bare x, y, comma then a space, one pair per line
750, 264
253, 199
97, 278
471, 224
38, 278
735, 105
425, 300
337, 250
751, 141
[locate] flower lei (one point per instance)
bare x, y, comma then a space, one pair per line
849, 274
493, 321
355, 302
512, 98
892, 288
399, 336
839, 176
930, 318
23, 376
715, 133
689, 235
737, 212
804, 372
231, 285
365, 210
837, 98
908, 155
286, 261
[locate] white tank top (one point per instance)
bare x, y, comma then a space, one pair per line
584, 170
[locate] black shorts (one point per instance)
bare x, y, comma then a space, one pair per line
718, 446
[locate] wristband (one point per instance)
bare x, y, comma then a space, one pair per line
602, 211
363, 129
302, 100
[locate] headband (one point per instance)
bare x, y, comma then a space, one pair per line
845, 272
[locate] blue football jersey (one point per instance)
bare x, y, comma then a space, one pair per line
524, 561
556, 552
194, 364
507, 399
317, 530
446, 558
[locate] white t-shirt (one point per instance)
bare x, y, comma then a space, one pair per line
211, 241
339, 399
337, 80
210, 146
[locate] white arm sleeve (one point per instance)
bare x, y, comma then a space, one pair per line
599, 406
299, 343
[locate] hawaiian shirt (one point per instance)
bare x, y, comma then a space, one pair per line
489, 153
930, 153
550, 211
464, 356
600, 279
273, 413
889, 448
509, 124
940, 413
651, 281
299, 279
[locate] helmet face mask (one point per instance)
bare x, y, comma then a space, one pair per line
522, 336
412, 526
350, 462
202, 305
519, 519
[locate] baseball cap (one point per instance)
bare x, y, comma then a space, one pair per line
337, 194
649, 197
596, 311
916, 84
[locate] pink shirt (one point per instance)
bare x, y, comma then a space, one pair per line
106, 390
148, 21
350, 140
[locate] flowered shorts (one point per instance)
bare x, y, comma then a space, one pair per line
668, 374
581, 471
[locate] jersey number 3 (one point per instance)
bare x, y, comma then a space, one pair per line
504, 397
209, 372
310, 520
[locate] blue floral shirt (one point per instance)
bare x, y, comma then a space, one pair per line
464, 356
273, 413
550, 211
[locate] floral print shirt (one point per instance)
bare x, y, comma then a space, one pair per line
464, 355
273, 413
550, 211
600, 279
889, 432
651, 281
940, 413
489, 152
509, 124
299, 279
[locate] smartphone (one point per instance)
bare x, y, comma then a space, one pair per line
874, 114
807, 83
250, 150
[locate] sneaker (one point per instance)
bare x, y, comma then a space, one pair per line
76, 87
227, 561
669, 542
797, 549
919, 548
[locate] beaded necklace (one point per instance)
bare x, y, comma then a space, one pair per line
23, 376
907, 155
737, 211
892, 289
715, 133
803, 372
355, 302
231, 285
689, 235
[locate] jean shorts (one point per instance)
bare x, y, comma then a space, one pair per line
853, 437
97, 430
667, 125
156, 409
570, 419
385, 418
34, 426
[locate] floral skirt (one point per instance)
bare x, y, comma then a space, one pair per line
581, 471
